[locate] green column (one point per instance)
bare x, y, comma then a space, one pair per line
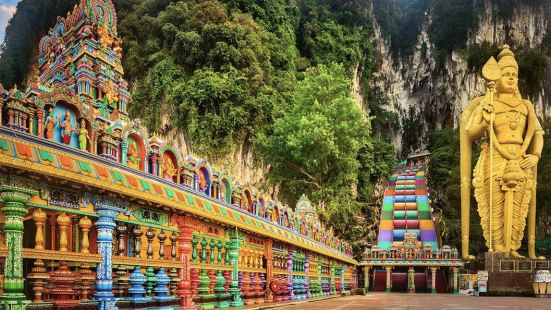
332, 280
14, 198
234, 259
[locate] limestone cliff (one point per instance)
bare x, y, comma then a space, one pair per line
425, 97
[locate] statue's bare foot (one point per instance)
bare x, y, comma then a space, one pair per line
515, 254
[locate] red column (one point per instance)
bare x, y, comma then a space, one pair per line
184, 249
40, 124
52, 220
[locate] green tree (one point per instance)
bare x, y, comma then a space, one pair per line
314, 145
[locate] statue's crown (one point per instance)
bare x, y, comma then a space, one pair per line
506, 58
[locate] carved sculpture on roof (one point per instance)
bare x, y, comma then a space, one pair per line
105, 39
49, 124
169, 171
306, 210
66, 128
133, 156
83, 136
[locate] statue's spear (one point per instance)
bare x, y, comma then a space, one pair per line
491, 73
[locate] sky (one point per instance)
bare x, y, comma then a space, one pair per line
7, 8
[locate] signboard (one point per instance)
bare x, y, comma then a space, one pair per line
525, 266
507, 265
467, 284
541, 265
482, 277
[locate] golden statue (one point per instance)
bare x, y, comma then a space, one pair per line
133, 157
168, 169
505, 174
104, 38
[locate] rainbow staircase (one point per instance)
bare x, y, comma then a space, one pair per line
406, 209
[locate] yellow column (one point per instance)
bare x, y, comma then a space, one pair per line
39, 217
63, 221
366, 278
85, 224
455, 272
388, 279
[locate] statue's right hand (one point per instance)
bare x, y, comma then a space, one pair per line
487, 110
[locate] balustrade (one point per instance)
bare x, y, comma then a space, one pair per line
64, 275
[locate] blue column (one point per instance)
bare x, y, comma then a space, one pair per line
107, 209
104, 273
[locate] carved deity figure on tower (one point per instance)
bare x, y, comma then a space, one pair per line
66, 128
133, 157
505, 173
169, 171
104, 38
49, 124
83, 136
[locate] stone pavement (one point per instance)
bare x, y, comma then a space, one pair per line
397, 301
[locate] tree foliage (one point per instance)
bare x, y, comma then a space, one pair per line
314, 145
321, 145
444, 184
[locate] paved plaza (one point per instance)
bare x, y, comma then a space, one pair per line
397, 301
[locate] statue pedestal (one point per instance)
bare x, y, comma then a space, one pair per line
511, 275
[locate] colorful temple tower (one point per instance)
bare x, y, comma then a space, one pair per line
96, 212
408, 255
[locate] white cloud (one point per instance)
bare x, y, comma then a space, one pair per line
8, 10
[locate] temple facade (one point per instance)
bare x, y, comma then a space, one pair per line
96, 212
408, 256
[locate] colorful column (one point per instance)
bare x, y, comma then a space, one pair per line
366, 278
40, 123
290, 279
411, 280
15, 198
333, 288
234, 260
307, 272
154, 164
433, 279
107, 209
388, 279
455, 272
124, 150
343, 284
269, 271
185, 249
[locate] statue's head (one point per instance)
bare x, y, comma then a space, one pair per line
508, 82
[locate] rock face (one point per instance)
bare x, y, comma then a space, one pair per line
424, 98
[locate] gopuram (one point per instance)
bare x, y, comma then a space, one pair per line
97, 213
408, 255
504, 177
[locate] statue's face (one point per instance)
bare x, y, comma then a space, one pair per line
508, 83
